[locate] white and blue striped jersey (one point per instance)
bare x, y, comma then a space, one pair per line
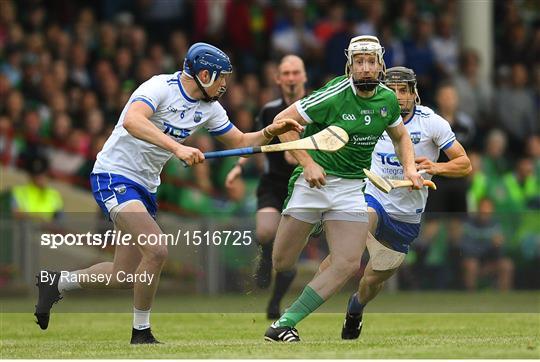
430, 133
175, 113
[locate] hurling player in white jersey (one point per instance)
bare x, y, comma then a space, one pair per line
157, 119
394, 218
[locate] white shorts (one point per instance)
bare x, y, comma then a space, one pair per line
339, 199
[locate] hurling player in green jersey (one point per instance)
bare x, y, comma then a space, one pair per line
328, 186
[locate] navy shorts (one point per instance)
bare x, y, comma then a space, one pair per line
398, 234
110, 189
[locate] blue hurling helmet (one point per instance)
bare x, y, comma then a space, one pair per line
202, 56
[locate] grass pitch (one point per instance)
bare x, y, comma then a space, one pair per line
415, 334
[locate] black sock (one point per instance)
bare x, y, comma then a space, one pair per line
266, 251
282, 284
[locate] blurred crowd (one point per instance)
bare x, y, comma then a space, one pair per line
68, 68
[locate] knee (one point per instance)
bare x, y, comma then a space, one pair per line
281, 263
265, 234
345, 267
156, 254
370, 281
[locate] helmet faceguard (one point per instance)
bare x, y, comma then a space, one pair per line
402, 75
365, 44
202, 56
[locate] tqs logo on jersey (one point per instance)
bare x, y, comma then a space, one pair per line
384, 112
388, 159
175, 132
197, 117
416, 137
348, 117
172, 109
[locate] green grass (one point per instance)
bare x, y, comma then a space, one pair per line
239, 335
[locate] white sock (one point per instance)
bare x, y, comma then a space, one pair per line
69, 282
141, 319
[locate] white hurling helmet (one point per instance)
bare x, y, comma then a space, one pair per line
365, 44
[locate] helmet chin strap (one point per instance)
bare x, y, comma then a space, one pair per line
365, 85
202, 87
206, 98
405, 112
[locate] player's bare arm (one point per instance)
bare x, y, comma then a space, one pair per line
313, 173
137, 123
405, 152
458, 165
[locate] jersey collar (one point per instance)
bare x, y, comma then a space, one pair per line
184, 93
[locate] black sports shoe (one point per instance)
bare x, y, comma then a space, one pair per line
48, 295
143, 336
281, 334
352, 326
263, 274
272, 311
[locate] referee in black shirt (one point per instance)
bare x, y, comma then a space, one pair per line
272, 190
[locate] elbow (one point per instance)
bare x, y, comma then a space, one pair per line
128, 123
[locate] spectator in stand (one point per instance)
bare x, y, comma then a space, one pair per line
394, 55
514, 106
5, 87
445, 46
332, 23
61, 130
482, 248
533, 151
79, 66
8, 149
533, 55
447, 101
419, 55
495, 163
512, 195
14, 107
292, 34
338, 41
371, 23
450, 200
178, 46
475, 94
12, 67
124, 64
515, 46
95, 123
36, 199
108, 39
404, 24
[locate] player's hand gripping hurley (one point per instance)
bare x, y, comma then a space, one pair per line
329, 139
386, 185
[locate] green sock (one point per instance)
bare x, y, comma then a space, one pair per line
308, 301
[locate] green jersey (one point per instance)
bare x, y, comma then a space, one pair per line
364, 120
